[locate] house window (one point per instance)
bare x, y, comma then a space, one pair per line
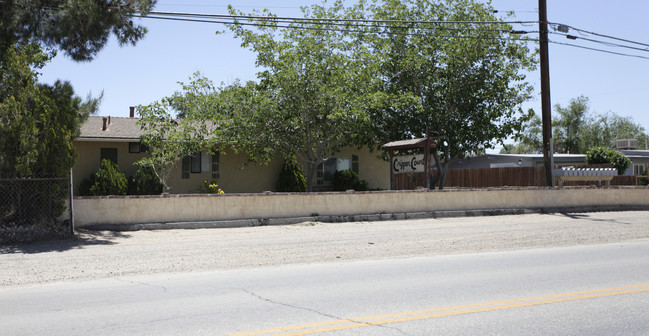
196, 162
206, 162
108, 154
133, 147
137, 147
640, 169
187, 161
215, 165
326, 170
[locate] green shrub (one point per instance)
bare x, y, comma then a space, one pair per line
109, 180
606, 155
84, 187
348, 179
291, 178
144, 182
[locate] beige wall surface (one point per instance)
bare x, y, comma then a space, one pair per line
236, 174
88, 159
370, 168
184, 208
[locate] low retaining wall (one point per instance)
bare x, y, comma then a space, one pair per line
89, 211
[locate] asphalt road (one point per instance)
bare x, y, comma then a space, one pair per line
588, 290
565, 274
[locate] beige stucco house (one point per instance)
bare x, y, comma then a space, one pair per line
118, 139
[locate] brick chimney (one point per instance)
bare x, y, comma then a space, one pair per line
103, 128
132, 114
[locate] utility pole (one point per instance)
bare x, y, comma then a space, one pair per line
546, 107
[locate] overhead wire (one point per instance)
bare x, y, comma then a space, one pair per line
367, 26
599, 50
256, 17
342, 24
583, 31
609, 44
347, 30
326, 24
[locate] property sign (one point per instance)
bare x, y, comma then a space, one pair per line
408, 164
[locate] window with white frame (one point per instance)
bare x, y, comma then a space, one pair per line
327, 169
640, 169
197, 163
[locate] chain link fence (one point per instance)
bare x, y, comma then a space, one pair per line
35, 209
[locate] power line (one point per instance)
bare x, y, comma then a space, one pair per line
360, 25
329, 24
348, 30
610, 44
599, 50
601, 35
297, 19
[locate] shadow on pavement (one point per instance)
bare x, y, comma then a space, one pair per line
590, 217
81, 239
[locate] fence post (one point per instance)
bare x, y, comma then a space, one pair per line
71, 193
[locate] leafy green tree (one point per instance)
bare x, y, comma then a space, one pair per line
568, 127
18, 131
79, 27
608, 155
312, 96
575, 130
602, 130
464, 83
530, 139
196, 98
38, 122
169, 139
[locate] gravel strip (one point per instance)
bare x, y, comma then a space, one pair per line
102, 254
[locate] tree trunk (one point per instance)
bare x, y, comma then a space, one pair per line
310, 171
440, 179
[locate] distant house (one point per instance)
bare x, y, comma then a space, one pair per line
515, 160
639, 161
118, 139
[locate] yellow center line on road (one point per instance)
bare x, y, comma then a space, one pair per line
374, 320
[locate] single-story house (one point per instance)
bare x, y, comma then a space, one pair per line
118, 139
639, 161
514, 160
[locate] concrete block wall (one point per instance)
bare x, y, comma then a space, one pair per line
106, 210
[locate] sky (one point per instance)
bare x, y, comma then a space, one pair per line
172, 51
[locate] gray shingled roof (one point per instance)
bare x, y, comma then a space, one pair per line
119, 129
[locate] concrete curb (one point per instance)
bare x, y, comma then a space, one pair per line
252, 222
